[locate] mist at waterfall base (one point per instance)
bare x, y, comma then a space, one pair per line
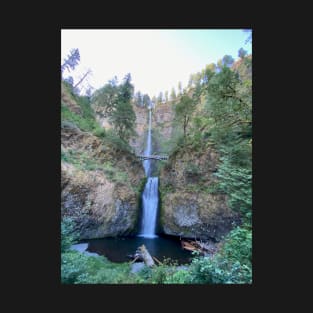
119, 248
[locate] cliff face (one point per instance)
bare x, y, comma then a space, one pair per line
190, 206
162, 118
100, 185
98, 206
138, 143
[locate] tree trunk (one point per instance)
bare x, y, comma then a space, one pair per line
88, 72
145, 255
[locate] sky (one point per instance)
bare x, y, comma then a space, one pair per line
156, 58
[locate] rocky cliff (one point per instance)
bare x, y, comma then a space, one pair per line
100, 184
138, 142
190, 205
162, 118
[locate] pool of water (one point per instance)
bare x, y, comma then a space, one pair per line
117, 249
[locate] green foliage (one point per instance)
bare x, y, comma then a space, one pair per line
238, 245
86, 120
68, 235
192, 169
157, 274
99, 132
73, 264
180, 88
166, 187
225, 122
231, 265
116, 102
242, 53
206, 270
178, 277
77, 119
78, 268
112, 139
144, 275
183, 111
123, 119
138, 99
227, 60
175, 142
161, 272
83, 161
173, 94
146, 100
71, 60
236, 182
106, 97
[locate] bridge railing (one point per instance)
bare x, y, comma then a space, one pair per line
153, 157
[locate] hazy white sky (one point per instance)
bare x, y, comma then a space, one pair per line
156, 58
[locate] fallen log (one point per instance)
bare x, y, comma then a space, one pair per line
134, 260
145, 255
157, 260
187, 246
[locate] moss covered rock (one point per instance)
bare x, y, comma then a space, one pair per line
191, 207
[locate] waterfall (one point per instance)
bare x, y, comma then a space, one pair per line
150, 197
150, 207
147, 163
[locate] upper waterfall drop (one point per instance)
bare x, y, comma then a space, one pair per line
150, 197
147, 163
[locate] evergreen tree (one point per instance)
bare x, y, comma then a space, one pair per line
166, 96
160, 97
123, 116
242, 53
180, 88
154, 100
71, 61
116, 101
173, 94
106, 97
138, 99
183, 111
146, 100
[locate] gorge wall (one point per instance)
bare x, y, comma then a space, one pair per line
162, 120
191, 207
100, 185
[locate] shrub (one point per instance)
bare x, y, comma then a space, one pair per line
238, 245
99, 132
73, 264
231, 265
68, 235
116, 142
78, 268
179, 277
236, 182
192, 169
